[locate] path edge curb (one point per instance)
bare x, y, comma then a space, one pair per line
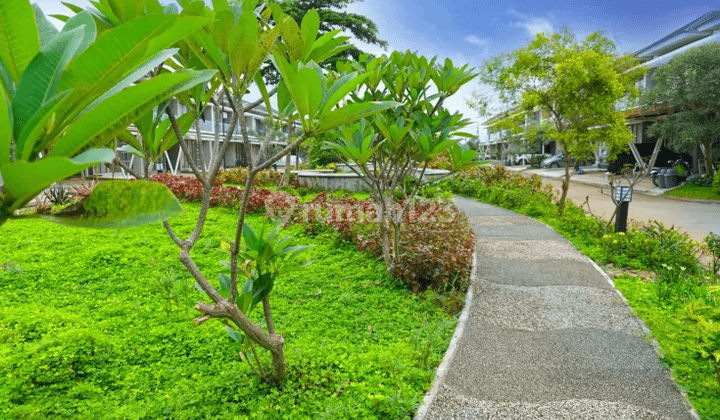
452, 347
653, 343
646, 331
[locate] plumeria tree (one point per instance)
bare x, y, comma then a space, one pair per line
401, 142
235, 42
68, 93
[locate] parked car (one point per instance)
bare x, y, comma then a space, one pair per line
558, 161
523, 159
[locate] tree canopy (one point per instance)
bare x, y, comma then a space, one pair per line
689, 86
575, 83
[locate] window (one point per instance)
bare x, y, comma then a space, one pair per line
261, 128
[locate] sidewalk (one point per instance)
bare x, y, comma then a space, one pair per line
546, 335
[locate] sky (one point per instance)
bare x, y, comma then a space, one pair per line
470, 32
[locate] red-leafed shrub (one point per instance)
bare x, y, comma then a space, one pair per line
435, 243
190, 189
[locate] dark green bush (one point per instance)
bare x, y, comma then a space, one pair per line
716, 181
704, 180
319, 157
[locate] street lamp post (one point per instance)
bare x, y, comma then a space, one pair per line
623, 195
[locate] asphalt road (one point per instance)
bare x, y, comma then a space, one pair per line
695, 218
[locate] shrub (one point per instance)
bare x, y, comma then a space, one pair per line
190, 189
436, 242
716, 181
239, 176
320, 157
704, 180
57, 194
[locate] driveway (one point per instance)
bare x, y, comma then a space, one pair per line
695, 217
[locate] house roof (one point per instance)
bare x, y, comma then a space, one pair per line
693, 31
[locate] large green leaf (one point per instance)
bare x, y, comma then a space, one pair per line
6, 134
46, 30
310, 89
116, 113
28, 138
243, 39
24, 180
340, 89
353, 112
86, 21
121, 204
134, 76
118, 52
40, 80
19, 39
309, 29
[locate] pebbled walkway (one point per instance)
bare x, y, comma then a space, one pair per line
547, 336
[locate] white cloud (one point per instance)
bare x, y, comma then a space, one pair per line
532, 24
472, 39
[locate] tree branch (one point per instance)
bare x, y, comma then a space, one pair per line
127, 168
183, 144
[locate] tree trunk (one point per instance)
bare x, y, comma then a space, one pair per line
565, 185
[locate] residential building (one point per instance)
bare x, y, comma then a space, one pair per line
701, 31
214, 117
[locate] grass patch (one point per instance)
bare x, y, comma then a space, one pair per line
694, 191
96, 324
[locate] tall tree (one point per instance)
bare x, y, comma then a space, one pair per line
688, 85
576, 83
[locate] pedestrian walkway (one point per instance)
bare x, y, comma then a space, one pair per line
546, 336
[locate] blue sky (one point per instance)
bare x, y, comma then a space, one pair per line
472, 31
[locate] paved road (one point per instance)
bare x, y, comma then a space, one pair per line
547, 336
695, 218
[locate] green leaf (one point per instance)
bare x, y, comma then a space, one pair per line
224, 281
86, 21
121, 204
129, 149
234, 334
261, 52
120, 51
46, 30
185, 122
340, 89
293, 39
19, 39
27, 139
311, 88
40, 81
25, 180
353, 112
6, 133
309, 28
242, 41
116, 113
212, 56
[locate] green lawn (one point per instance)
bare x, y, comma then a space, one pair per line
97, 324
694, 191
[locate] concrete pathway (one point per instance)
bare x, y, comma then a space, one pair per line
546, 336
